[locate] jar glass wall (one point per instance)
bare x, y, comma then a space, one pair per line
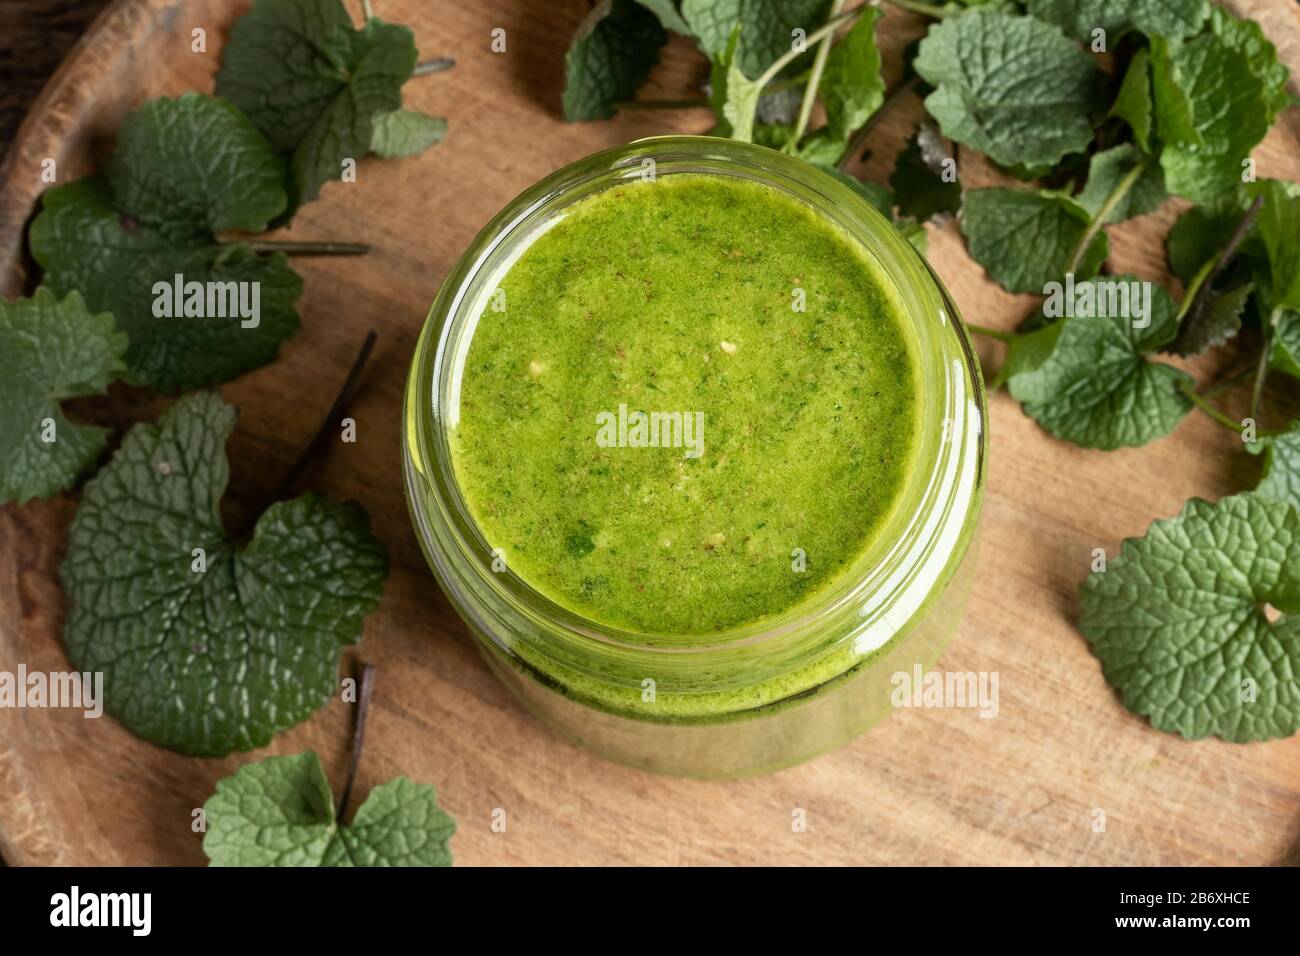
762, 694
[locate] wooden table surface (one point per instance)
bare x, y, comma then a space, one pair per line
925, 786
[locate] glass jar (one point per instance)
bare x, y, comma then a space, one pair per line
763, 695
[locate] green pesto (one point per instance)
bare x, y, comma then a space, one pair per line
680, 295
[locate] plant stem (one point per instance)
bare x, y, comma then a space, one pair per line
788, 83
662, 104
365, 688
291, 248
860, 137
1261, 369
367, 10
1199, 400
1230, 382
1118, 193
998, 334
925, 9
826, 29
1206, 275
433, 66
336, 409
1193, 290
814, 81
340, 400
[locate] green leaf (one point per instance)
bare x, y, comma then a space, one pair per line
1285, 356
1216, 96
1175, 122
918, 177
1013, 87
1278, 227
280, 812
1280, 480
207, 658
1170, 18
1105, 173
1032, 347
195, 166
669, 14
313, 84
1179, 620
86, 244
1213, 319
1201, 233
734, 95
1085, 379
182, 169
852, 88
1026, 174
1247, 38
405, 133
816, 147
612, 53
50, 350
766, 27
1024, 238
1133, 103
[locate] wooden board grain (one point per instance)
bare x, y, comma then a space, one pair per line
926, 786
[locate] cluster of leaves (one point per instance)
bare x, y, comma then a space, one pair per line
1186, 91
280, 812
208, 642
1193, 622
300, 93
761, 86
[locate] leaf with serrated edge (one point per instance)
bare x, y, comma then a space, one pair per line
207, 661
405, 133
1214, 318
1179, 620
1012, 87
1278, 227
1107, 169
1079, 18
612, 53
1093, 387
51, 350
1024, 238
83, 243
734, 95
1285, 355
195, 166
313, 84
766, 27
1216, 96
1280, 479
280, 812
852, 88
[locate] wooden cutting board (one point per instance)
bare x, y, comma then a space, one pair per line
926, 786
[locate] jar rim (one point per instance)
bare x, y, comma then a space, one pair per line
952, 393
